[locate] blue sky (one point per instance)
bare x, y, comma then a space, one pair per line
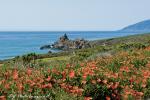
74, 15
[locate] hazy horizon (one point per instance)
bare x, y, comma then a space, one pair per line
69, 15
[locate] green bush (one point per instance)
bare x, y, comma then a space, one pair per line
114, 66
126, 46
139, 62
96, 91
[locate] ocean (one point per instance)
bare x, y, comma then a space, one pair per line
19, 43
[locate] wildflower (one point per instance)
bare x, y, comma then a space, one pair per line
75, 87
32, 84
87, 98
7, 86
29, 81
70, 87
146, 74
105, 81
41, 81
125, 68
68, 66
82, 64
2, 81
143, 85
108, 86
63, 75
20, 87
72, 74
115, 75
80, 91
113, 95
49, 70
29, 71
107, 98
6, 74
2, 97
139, 93
131, 80
15, 74
38, 85
30, 90
63, 85
98, 80
84, 76
55, 71
93, 66
127, 92
49, 85
116, 91
91, 72
114, 86
147, 48
48, 79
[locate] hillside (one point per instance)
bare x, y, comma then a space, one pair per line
142, 27
118, 70
138, 38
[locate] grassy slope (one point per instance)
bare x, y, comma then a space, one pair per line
112, 46
141, 38
107, 66
127, 39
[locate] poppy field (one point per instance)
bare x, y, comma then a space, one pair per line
123, 76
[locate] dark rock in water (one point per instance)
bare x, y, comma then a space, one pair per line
64, 38
45, 47
64, 43
49, 51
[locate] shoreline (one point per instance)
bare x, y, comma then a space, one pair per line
93, 42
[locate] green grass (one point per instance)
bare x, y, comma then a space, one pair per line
112, 45
61, 58
130, 44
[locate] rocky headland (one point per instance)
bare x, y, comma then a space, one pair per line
64, 43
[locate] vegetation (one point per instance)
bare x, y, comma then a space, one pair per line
110, 72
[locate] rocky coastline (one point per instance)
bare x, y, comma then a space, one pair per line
64, 43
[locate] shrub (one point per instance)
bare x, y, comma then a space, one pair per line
139, 63
114, 66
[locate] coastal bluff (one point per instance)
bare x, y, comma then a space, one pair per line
64, 43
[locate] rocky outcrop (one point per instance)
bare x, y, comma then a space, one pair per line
64, 43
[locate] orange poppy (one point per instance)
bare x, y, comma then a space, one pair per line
72, 74
48, 79
107, 98
2, 97
29, 71
15, 74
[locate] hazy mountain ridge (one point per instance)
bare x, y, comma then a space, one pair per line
143, 26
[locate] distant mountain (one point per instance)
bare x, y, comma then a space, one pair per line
143, 26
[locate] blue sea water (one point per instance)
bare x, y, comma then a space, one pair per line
18, 43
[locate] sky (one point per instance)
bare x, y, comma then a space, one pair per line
71, 15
